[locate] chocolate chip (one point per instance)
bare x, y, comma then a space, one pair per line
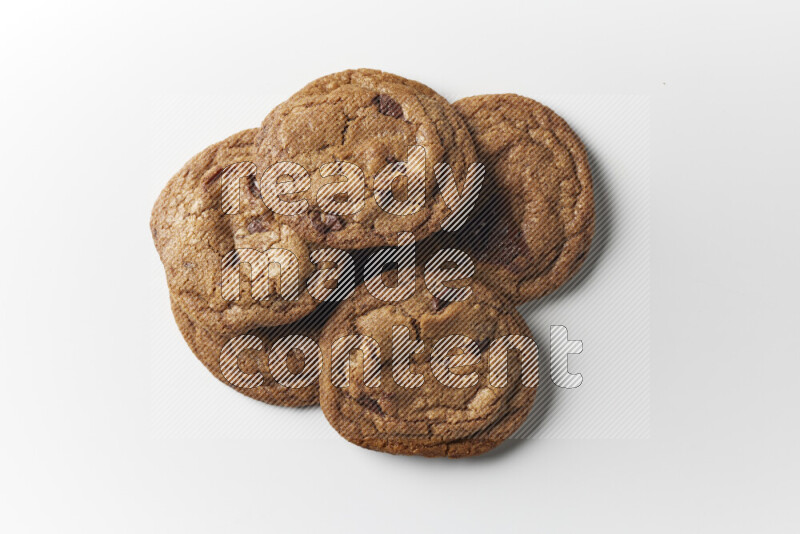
252, 185
326, 222
483, 345
495, 236
439, 304
257, 225
384, 196
387, 106
509, 243
370, 404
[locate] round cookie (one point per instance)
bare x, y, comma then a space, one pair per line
538, 220
193, 235
256, 380
370, 119
436, 418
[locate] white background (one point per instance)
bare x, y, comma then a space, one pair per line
78, 450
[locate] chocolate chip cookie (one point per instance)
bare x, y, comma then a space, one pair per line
246, 362
369, 119
462, 377
538, 222
200, 220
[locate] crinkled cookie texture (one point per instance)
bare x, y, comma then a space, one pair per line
371, 119
252, 356
538, 222
193, 235
433, 419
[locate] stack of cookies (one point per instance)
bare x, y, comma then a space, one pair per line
307, 260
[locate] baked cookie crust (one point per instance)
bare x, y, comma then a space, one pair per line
538, 221
371, 119
193, 235
432, 419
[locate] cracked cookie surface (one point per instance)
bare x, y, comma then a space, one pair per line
538, 220
433, 419
193, 234
370, 119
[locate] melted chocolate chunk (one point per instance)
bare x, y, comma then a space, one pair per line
439, 304
258, 225
509, 244
387, 106
370, 404
252, 185
495, 236
326, 222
